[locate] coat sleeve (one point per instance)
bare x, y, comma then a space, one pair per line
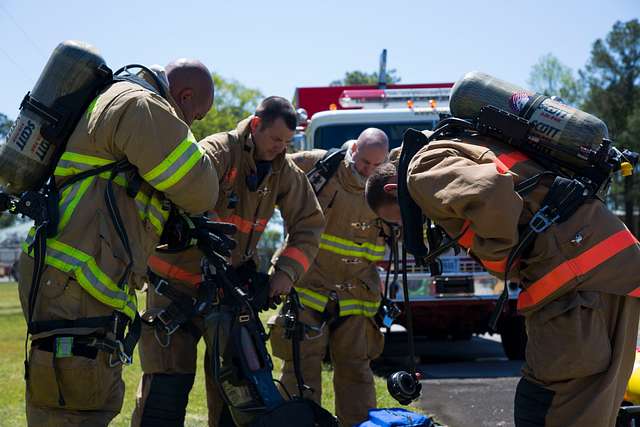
218, 150
166, 154
306, 160
304, 222
450, 188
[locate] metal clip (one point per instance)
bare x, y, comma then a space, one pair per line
361, 225
344, 286
159, 286
169, 324
541, 220
244, 318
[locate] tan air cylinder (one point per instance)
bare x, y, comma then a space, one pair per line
558, 130
25, 156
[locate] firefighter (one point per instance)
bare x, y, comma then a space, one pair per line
578, 279
341, 291
86, 290
255, 176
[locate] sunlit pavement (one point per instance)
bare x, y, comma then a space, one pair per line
468, 383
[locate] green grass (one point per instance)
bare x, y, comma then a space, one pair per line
12, 334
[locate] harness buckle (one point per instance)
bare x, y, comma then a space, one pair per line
122, 355
344, 286
244, 318
543, 219
160, 285
168, 322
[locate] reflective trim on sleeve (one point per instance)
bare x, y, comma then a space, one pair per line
298, 256
312, 299
576, 267
175, 166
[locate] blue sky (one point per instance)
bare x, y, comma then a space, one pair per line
276, 46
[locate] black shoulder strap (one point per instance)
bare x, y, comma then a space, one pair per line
325, 168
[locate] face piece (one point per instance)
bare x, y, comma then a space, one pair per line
366, 159
270, 141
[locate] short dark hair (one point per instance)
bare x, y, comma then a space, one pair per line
274, 107
374, 189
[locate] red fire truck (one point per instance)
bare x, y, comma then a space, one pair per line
458, 303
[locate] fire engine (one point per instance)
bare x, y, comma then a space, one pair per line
458, 303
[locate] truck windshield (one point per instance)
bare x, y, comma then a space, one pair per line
335, 135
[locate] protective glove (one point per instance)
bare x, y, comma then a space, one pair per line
212, 236
182, 231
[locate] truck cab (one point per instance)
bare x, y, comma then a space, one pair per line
459, 302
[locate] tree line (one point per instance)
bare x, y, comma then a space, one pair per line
608, 86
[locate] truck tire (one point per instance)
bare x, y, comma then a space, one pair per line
514, 337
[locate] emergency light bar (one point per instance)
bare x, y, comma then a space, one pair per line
382, 98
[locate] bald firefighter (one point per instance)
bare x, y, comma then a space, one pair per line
341, 291
255, 176
578, 278
109, 225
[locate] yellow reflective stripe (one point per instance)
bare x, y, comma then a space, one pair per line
92, 106
71, 163
176, 165
312, 299
152, 209
69, 206
346, 247
353, 253
340, 240
86, 271
356, 307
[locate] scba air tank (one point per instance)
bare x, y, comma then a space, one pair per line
557, 130
50, 112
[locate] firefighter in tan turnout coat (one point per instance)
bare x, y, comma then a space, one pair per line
341, 291
578, 279
86, 289
255, 176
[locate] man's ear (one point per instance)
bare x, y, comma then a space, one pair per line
390, 188
186, 94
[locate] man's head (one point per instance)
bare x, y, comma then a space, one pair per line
370, 151
381, 193
191, 86
272, 127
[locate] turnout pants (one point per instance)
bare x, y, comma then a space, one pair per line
353, 342
67, 391
579, 358
169, 372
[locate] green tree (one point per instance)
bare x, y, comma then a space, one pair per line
551, 77
232, 103
352, 78
612, 76
5, 125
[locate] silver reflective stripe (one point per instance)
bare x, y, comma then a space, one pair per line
95, 282
177, 164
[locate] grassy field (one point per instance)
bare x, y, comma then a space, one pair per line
12, 333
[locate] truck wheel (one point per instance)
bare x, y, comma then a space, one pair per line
514, 337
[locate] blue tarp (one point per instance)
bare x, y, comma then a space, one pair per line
395, 417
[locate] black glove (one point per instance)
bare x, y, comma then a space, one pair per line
213, 236
181, 232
